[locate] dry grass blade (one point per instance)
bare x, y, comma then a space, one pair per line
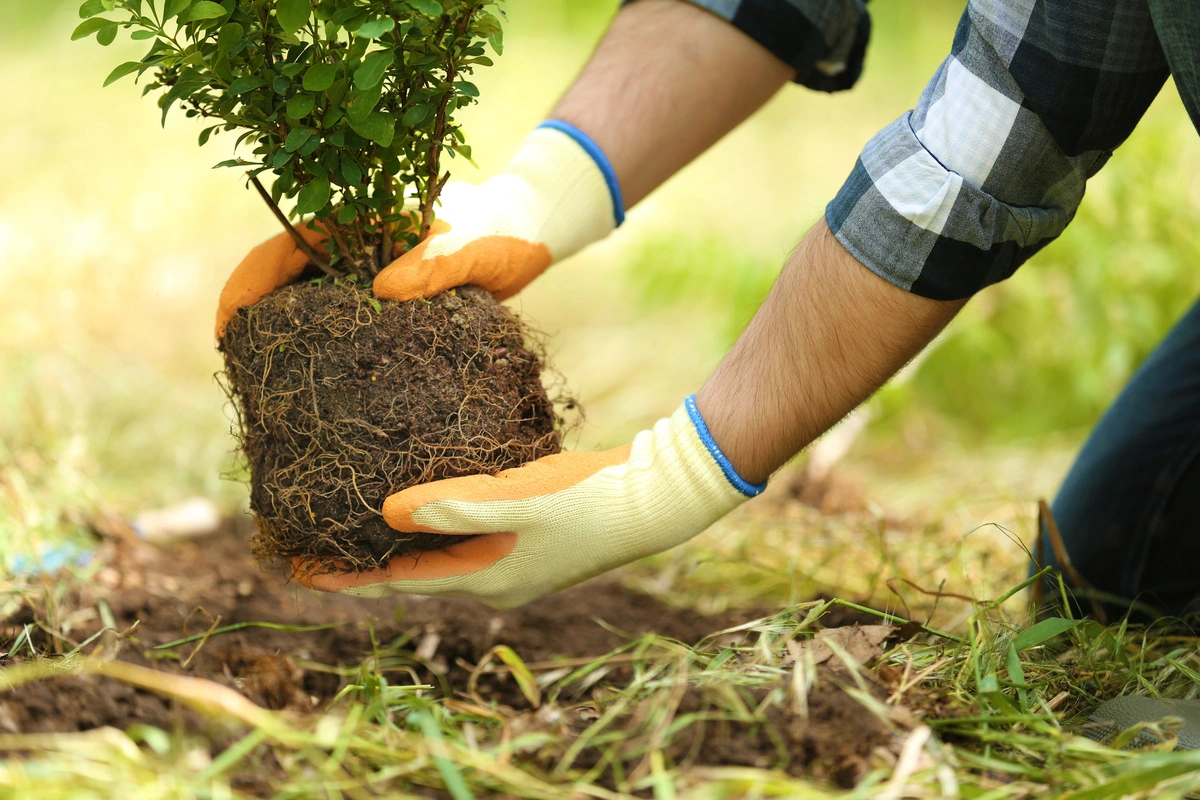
1047, 523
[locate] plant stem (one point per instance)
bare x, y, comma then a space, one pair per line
336, 232
300, 241
434, 180
385, 254
267, 39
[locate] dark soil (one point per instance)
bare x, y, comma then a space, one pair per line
344, 400
834, 741
190, 588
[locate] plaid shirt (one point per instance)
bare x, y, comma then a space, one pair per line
991, 165
824, 40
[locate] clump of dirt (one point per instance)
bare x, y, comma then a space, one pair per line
344, 399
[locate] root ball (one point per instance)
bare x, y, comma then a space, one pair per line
344, 400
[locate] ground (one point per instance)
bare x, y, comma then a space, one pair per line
289, 649
188, 660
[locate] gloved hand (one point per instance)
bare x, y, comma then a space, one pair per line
558, 194
274, 263
557, 521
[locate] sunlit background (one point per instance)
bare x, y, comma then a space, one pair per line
116, 236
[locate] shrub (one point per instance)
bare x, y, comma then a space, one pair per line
348, 104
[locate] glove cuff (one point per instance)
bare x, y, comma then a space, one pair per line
599, 159
572, 191
737, 481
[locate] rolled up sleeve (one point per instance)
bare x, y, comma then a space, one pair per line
992, 164
823, 40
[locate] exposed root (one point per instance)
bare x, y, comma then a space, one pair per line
340, 405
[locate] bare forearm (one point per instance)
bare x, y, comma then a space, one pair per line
829, 334
668, 81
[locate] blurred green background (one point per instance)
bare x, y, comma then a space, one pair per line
116, 236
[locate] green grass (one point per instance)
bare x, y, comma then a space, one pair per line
993, 711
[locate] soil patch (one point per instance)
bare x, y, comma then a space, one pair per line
833, 738
185, 589
189, 588
344, 399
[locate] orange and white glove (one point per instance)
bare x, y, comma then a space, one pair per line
556, 521
268, 266
557, 195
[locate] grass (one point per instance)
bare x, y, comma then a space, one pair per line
992, 712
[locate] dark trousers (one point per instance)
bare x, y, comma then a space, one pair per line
1129, 509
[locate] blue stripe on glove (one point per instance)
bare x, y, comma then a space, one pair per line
739, 483
593, 150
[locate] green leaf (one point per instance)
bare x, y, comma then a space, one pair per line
122, 71
231, 33
375, 28
467, 88
378, 306
222, 69
313, 197
337, 92
430, 8
316, 169
88, 27
416, 115
371, 72
300, 106
347, 215
174, 8
309, 146
362, 104
496, 40
206, 133
139, 36
296, 139
1012, 663
107, 34
351, 171
378, 127
350, 18
331, 117
456, 785
292, 14
521, 674
319, 77
1041, 632
999, 701
245, 84
205, 9
91, 8
281, 84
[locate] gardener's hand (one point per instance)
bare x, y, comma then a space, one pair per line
274, 263
558, 195
557, 521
